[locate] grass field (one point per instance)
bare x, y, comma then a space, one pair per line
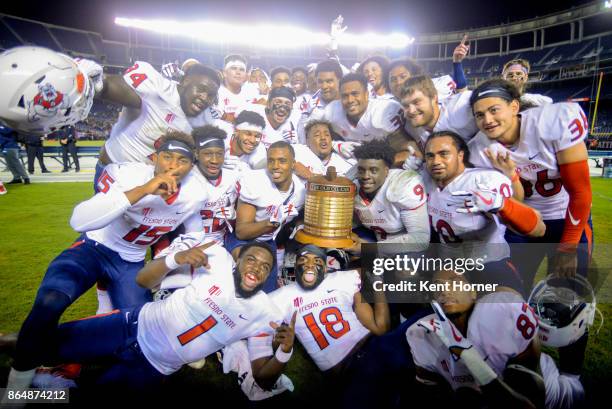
34, 229
80, 142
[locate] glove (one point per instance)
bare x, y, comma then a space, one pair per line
172, 71
231, 162
446, 331
93, 70
345, 149
483, 199
412, 162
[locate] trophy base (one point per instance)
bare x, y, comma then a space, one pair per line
339, 243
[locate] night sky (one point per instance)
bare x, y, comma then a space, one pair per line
411, 16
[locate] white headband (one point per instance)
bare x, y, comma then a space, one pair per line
235, 63
245, 126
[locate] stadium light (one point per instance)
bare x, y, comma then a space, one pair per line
263, 35
608, 4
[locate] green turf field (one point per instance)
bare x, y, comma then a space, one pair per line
80, 142
34, 229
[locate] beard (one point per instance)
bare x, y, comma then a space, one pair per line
241, 291
299, 272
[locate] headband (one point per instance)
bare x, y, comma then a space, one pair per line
284, 92
245, 126
177, 146
211, 143
235, 63
517, 67
489, 92
312, 249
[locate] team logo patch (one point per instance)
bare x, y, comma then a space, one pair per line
297, 301
147, 211
170, 117
46, 103
214, 290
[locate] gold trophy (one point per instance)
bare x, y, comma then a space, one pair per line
328, 212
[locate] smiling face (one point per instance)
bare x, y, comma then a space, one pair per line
371, 174
397, 76
247, 140
197, 92
280, 165
309, 271
298, 82
210, 161
354, 97
280, 79
518, 76
252, 269
420, 110
374, 73
498, 119
278, 110
319, 140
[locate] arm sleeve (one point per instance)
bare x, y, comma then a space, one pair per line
105, 206
577, 182
459, 75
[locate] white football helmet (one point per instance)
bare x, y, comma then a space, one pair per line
42, 90
565, 308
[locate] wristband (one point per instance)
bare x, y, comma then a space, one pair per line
282, 356
480, 370
171, 262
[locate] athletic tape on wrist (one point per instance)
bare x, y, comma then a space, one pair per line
480, 370
171, 262
282, 356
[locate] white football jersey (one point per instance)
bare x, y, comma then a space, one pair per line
218, 210
143, 223
326, 323
493, 315
231, 104
479, 233
248, 161
455, 115
287, 131
300, 106
342, 165
374, 95
203, 317
308, 158
403, 190
381, 118
133, 137
445, 85
545, 131
535, 99
258, 190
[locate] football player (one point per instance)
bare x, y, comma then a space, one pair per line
277, 113
425, 113
152, 106
547, 145
486, 350
356, 118
317, 155
469, 208
517, 72
269, 199
390, 202
302, 96
136, 204
244, 150
218, 211
149, 341
375, 69
280, 77
233, 96
402, 69
342, 332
